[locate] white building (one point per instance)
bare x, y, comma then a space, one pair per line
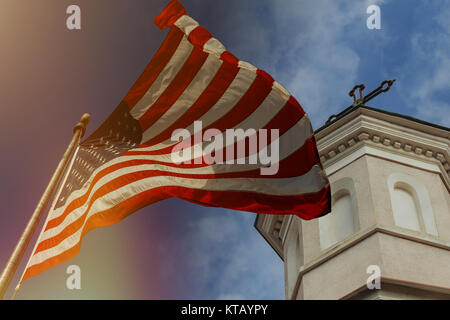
390, 184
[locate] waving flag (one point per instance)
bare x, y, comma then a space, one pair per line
127, 163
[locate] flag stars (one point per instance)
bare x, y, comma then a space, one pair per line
119, 136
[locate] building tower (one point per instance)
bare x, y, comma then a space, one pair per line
390, 184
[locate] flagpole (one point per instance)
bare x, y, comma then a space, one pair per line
52, 207
17, 255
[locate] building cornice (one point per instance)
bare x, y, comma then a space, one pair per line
393, 135
272, 228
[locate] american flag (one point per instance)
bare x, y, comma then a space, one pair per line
126, 163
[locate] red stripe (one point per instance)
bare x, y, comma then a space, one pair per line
306, 207
102, 219
284, 120
254, 202
136, 176
175, 89
171, 13
297, 164
154, 68
230, 58
78, 202
265, 75
288, 116
296, 105
199, 36
204, 103
248, 103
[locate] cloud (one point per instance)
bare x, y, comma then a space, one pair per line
231, 297
231, 260
443, 19
303, 44
317, 52
426, 72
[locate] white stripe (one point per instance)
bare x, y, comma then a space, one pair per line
290, 141
293, 139
258, 119
310, 182
227, 101
281, 90
247, 65
214, 46
200, 82
164, 78
186, 24
265, 112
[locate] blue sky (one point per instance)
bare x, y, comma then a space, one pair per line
317, 49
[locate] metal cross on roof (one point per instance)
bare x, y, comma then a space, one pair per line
385, 86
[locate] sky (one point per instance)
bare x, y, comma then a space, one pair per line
318, 50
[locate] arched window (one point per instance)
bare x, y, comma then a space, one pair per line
405, 209
342, 221
411, 205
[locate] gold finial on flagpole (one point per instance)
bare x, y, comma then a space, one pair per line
85, 119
